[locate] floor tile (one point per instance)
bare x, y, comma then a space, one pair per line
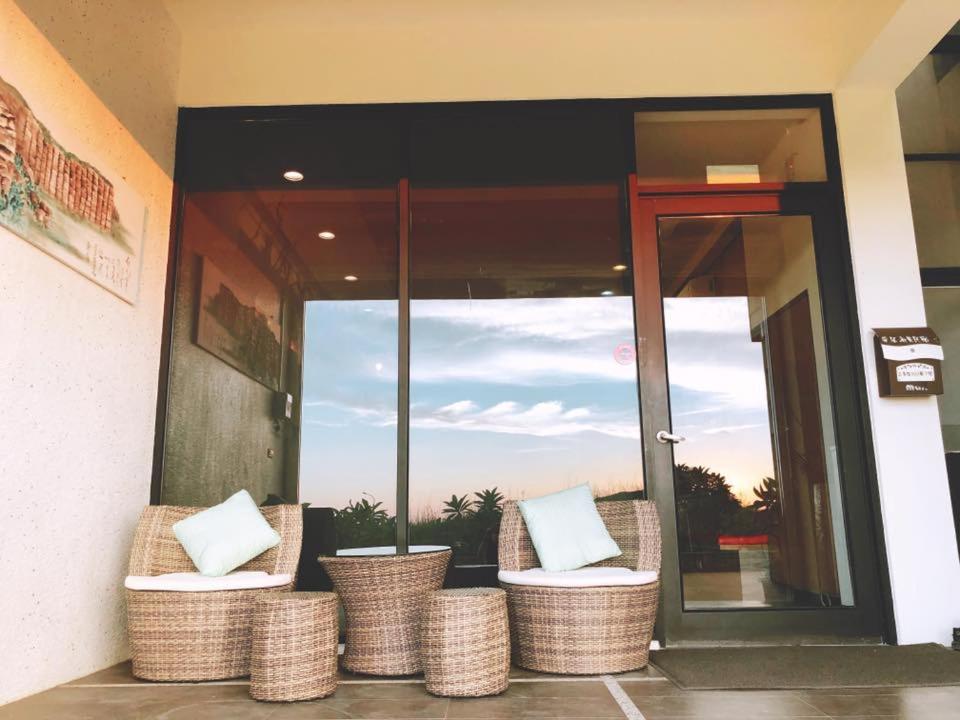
558, 689
381, 691
936, 703
528, 708
721, 705
645, 689
113, 694
334, 708
119, 674
138, 703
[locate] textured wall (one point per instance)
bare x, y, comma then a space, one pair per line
78, 371
128, 52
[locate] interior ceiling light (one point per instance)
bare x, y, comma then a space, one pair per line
293, 175
350, 278
619, 268
607, 293
326, 235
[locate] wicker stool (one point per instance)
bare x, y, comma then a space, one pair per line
465, 642
294, 652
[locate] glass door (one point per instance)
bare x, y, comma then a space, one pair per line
741, 397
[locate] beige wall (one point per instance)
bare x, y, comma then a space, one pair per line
79, 373
127, 51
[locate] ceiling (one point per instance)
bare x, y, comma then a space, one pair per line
249, 52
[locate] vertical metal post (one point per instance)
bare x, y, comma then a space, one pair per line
403, 366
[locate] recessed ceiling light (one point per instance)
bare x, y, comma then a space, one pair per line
619, 268
326, 235
293, 175
350, 278
607, 293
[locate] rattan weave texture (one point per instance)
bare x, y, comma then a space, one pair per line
585, 631
294, 650
465, 642
187, 636
383, 597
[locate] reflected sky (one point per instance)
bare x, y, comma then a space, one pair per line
528, 395
718, 393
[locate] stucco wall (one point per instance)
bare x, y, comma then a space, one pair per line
78, 374
127, 51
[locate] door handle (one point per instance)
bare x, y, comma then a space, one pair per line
667, 437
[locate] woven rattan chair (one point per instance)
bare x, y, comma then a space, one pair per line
189, 636
590, 630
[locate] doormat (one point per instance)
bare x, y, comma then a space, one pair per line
805, 666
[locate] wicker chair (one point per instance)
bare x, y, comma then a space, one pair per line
589, 630
190, 636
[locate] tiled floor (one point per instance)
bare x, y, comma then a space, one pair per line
114, 695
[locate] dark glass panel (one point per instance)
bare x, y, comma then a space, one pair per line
729, 146
266, 307
523, 373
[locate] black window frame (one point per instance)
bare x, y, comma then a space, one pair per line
392, 161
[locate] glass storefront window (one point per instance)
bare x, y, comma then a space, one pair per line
729, 146
943, 310
281, 290
759, 509
523, 379
233, 319
935, 200
929, 104
348, 437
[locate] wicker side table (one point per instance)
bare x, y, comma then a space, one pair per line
465, 642
383, 595
294, 650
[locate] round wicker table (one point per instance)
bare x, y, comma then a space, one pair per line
294, 649
465, 642
383, 595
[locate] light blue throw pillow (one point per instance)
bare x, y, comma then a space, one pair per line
224, 537
567, 530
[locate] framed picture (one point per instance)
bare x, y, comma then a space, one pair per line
58, 201
239, 327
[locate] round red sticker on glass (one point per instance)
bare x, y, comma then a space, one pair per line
625, 354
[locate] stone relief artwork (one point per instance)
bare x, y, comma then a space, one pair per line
57, 201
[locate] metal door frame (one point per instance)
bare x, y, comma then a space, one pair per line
858, 624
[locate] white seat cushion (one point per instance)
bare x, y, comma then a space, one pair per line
389, 550
582, 578
195, 582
